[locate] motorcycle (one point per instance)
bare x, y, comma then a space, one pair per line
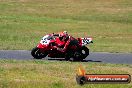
76, 51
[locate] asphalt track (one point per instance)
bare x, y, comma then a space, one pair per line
118, 58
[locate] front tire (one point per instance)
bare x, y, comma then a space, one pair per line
37, 54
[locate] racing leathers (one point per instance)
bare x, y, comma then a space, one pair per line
64, 44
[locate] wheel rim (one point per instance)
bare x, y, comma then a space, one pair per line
83, 52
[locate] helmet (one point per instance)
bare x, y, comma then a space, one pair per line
62, 35
65, 32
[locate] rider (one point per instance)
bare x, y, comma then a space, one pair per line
63, 41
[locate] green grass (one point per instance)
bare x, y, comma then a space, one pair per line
52, 74
24, 22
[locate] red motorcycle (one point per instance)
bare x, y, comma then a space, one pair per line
76, 51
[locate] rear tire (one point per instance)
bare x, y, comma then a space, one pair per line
77, 56
68, 55
37, 54
84, 52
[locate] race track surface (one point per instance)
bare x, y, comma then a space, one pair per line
122, 58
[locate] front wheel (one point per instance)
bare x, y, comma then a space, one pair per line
37, 54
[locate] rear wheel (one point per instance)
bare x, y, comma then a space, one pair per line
68, 55
84, 52
74, 56
37, 54
77, 56
81, 54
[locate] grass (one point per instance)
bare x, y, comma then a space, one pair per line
24, 22
52, 74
